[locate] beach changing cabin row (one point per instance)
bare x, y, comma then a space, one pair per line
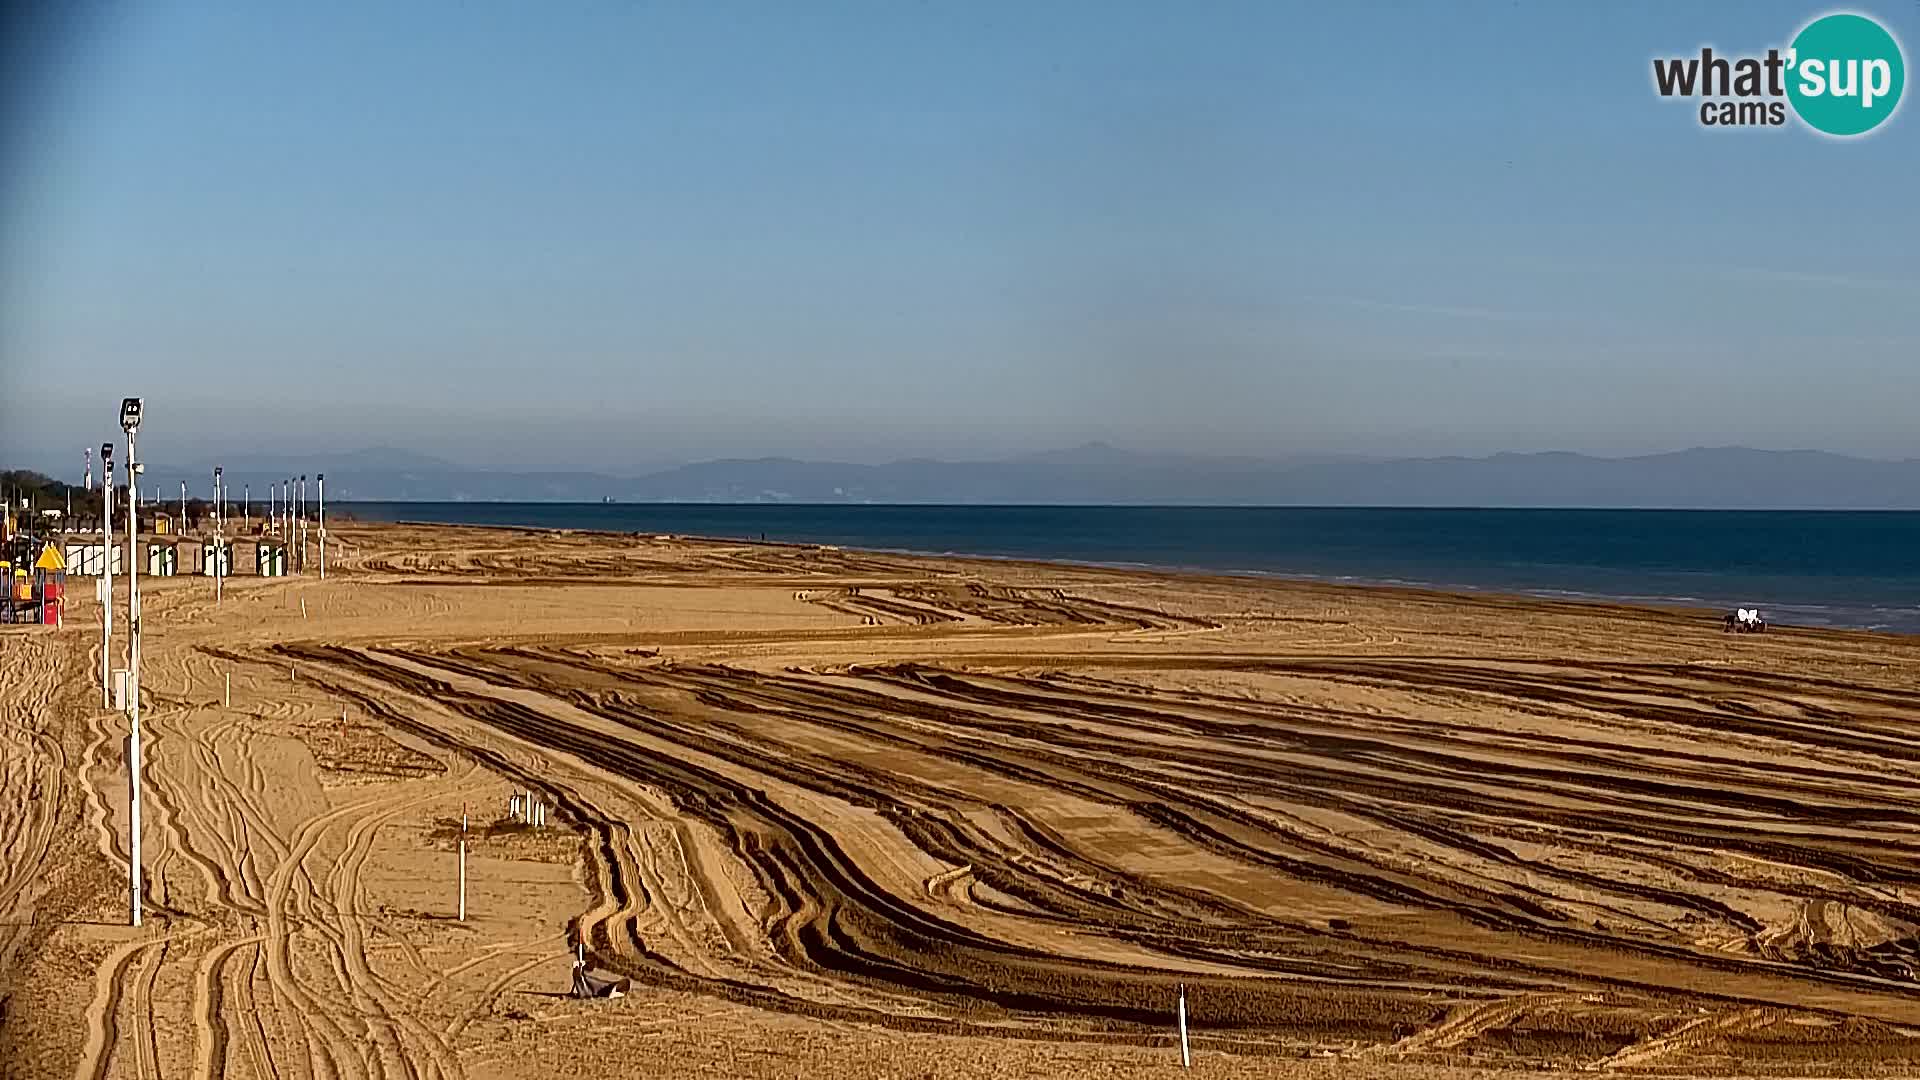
182, 556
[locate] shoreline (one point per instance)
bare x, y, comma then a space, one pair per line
1683, 609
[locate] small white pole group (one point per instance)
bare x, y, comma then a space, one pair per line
527, 810
463, 864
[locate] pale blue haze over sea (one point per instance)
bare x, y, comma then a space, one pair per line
1805, 568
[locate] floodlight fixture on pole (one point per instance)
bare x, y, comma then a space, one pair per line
130, 410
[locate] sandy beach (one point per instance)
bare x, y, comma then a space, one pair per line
847, 814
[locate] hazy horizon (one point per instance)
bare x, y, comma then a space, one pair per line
621, 238
391, 457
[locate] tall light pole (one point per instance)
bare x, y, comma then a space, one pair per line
303, 523
106, 554
246, 513
219, 502
130, 421
321, 480
183, 508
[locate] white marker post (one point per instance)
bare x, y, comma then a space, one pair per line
321, 480
229, 696
463, 865
1186, 1059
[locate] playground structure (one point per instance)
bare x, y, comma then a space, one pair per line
35, 589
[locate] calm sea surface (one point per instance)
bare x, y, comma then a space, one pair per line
1807, 568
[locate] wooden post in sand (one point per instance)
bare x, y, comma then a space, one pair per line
1186, 1059
463, 865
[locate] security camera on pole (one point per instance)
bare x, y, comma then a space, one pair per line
130, 422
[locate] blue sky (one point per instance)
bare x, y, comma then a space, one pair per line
626, 233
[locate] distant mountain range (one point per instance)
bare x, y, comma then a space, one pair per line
1717, 478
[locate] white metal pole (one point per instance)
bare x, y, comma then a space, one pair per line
1186, 1059
229, 694
321, 480
217, 592
246, 511
133, 666
106, 570
133, 567
183, 508
463, 865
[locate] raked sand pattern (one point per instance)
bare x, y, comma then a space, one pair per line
837, 813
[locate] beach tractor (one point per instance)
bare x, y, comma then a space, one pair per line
1744, 621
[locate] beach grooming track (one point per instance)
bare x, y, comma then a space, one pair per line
1003, 803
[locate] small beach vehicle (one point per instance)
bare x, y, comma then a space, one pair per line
1745, 621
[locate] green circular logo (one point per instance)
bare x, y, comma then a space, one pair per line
1846, 73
